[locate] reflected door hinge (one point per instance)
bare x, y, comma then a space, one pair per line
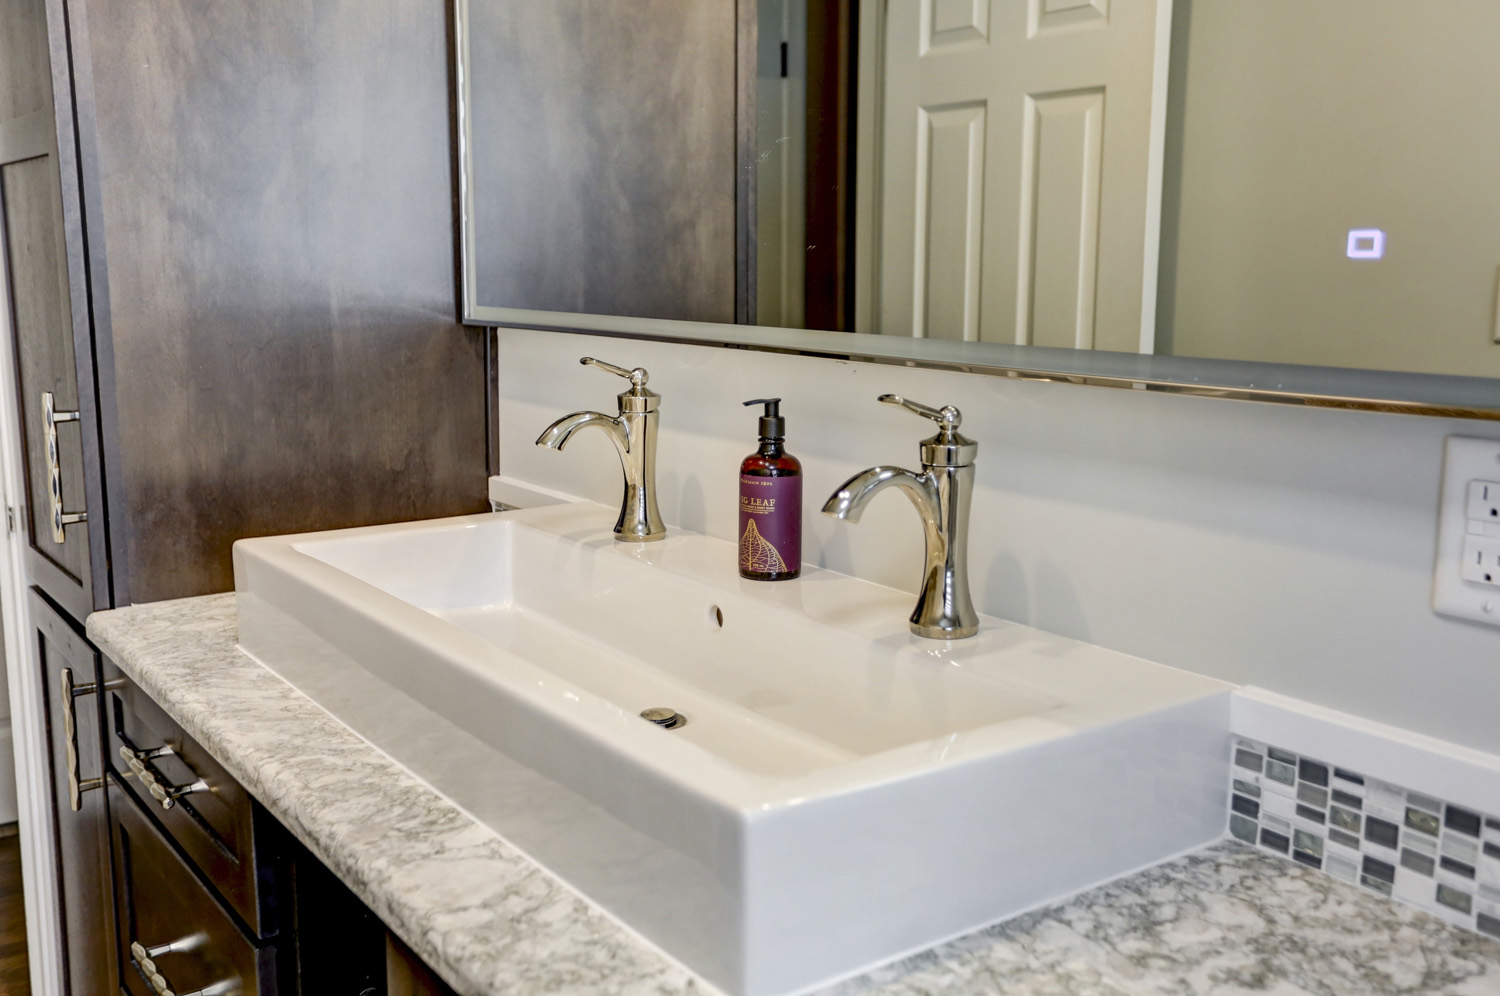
10, 518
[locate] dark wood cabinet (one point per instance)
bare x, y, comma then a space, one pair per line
233, 843
270, 228
406, 975
243, 310
209, 889
71, 679
228, 236
170, 925
39, 226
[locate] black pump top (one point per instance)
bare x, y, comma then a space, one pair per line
772, 425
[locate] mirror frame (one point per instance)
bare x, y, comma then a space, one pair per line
1348, 388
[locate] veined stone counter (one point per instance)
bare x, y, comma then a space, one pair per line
1224, 921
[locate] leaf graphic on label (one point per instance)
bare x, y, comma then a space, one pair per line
757, 555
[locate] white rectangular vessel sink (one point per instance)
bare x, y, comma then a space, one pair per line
839, 792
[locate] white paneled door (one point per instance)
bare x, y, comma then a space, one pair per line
1020, 170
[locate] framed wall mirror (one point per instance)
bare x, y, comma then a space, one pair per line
1259, 198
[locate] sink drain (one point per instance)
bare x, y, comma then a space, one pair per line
667, 719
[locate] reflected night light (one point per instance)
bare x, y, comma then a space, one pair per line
1365, 243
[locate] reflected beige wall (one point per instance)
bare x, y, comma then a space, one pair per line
1293, 122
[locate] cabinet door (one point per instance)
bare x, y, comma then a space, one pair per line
42, 247
70, 683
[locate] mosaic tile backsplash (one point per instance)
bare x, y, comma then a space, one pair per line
1400, 843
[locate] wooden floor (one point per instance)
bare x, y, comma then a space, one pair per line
15, 973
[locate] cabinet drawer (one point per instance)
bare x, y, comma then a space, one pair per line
234, 844
171, 928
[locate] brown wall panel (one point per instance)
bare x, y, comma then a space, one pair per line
23, 59
277, 218
623, 113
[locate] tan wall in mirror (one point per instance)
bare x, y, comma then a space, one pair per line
1300, 121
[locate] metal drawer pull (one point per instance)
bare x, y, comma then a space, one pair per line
165, 794
217, 989
76, 787
129, 754
145, 961
50, 417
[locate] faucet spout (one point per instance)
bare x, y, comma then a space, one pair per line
849, 501
556, 435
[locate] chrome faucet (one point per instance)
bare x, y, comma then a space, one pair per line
634, 436
942, 493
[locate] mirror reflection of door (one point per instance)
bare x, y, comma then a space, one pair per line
1019, 153
804, 174
781, 162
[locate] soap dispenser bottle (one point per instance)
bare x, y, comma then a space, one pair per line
770, 503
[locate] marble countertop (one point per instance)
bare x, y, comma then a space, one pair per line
1224, 921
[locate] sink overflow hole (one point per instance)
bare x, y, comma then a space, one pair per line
715, 617
667, 719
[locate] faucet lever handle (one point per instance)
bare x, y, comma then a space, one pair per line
947, 417
637, 377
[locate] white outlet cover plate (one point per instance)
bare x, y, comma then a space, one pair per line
1464, 460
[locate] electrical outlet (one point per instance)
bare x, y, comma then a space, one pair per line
1481, 562
1484, 501
1466, 582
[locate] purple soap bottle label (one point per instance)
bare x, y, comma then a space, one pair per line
770, 524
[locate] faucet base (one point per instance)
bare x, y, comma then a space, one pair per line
939, 632
646, 538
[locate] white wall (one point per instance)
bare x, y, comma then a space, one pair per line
1285, 547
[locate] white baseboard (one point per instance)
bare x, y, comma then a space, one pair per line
1436, 767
